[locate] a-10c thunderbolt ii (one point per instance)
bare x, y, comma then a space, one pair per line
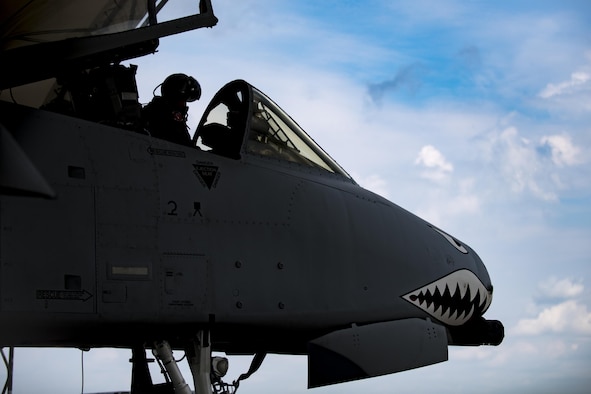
249, 240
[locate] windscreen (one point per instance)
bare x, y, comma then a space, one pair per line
274, 134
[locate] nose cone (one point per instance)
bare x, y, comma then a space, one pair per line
453, 299
457, 289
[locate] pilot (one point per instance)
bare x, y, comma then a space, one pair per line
166, 116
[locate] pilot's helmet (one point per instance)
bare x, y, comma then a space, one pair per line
180, 87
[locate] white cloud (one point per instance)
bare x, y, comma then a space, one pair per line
577, 81
444, 205
437, 167
520, 163
564, 152
518, 157
493, 356
521, 350
561, 288
545, 167
568, 316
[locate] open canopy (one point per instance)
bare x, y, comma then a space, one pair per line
241, 119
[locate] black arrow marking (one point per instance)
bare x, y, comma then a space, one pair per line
66, 295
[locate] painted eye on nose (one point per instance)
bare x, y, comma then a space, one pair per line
455, 243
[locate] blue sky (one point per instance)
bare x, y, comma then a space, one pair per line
475, 115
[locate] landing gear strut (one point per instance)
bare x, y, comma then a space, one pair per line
9, 369
207, 371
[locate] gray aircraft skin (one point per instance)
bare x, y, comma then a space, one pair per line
250, 241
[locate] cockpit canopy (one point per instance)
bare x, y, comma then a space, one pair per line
242, 120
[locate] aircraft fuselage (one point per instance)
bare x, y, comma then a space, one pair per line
146, 237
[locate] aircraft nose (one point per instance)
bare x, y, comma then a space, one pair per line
462, 291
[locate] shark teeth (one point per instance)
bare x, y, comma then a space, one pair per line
453, 299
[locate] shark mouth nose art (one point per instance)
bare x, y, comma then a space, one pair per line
453, 299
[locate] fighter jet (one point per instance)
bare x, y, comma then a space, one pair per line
248, 239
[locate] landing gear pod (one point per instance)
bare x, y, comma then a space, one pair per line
376, 349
